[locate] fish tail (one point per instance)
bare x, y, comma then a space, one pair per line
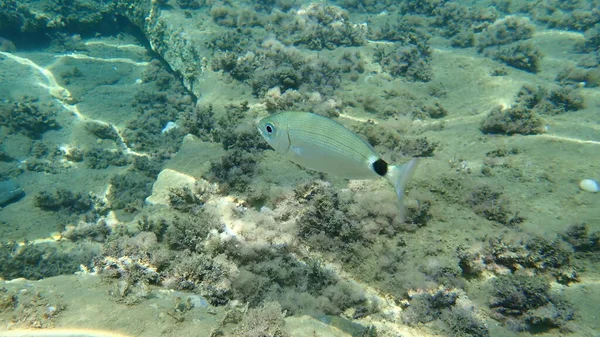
399, 175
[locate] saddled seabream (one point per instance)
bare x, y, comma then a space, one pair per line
321, 144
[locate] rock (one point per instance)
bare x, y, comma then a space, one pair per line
10, 192
168, 179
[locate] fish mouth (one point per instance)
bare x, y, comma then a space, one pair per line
260, 130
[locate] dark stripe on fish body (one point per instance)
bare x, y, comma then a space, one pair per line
380, 167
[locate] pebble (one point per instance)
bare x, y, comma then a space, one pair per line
589, 185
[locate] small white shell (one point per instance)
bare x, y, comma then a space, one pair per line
589, 185
170, 126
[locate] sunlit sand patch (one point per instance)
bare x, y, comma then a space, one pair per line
551, 32
56, 90
566, 139
63, 95
61, 333
99, 59
112, 45
358, 119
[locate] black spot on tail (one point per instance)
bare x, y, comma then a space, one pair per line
380, 167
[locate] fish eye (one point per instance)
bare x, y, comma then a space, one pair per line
270, 128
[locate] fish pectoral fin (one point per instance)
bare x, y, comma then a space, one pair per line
298, 151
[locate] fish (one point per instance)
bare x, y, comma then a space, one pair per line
324, 145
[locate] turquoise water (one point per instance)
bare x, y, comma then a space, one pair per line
138, 197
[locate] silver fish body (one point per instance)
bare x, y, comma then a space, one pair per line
321, 144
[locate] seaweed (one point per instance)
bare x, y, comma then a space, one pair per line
410, 60
557, 101
265, 321
101, 158
514, 120
521, 55
64, 200
416, 147
586, 244
189, 232
102, 130
234, 171
29, 117
129, 191
505, 31
493, 205
190, 4
424, 7
592, 40
325, 223
460, 23
37, 261
527, 303
448, 306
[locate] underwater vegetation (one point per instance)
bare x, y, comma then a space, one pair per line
307, 243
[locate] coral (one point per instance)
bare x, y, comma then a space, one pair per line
527, 303
514, 120
521, 55
29, 117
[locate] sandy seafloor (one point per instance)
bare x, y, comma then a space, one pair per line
541, 181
